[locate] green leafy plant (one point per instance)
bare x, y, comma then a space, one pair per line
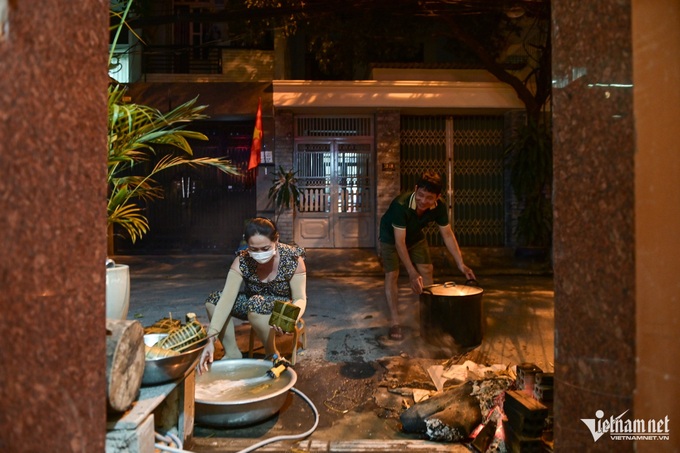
284, 192
134, 133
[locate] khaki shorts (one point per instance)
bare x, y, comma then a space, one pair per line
418, 252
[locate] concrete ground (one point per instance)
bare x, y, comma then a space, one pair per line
350, 370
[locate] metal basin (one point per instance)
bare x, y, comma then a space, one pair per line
238, 392
168, 369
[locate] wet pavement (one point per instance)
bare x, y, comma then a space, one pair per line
348, 367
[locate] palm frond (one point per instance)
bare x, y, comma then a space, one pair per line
132, 219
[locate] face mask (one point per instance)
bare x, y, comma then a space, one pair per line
262, 257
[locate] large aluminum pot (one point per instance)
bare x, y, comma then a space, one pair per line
168, 369
452, 310
238, 392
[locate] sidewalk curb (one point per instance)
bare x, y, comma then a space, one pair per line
230, 445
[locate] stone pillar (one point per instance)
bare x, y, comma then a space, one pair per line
594, 212
387, 139
52, 197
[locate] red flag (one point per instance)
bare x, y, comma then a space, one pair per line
256, 147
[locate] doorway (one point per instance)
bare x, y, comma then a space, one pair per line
335, 176
336, 207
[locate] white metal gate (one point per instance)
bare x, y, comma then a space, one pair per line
336, 182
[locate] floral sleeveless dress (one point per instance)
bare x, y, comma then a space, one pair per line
260, 296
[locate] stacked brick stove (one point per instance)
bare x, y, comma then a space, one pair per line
529, 411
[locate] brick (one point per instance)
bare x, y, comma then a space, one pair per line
526, 415
545, 379
526, 376
518, 443
543, 393
525, 404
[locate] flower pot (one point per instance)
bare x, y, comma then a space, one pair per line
117, 291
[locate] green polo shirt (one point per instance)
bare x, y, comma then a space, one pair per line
402, 214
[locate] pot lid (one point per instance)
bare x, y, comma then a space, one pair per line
451, 289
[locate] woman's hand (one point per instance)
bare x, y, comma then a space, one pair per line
207, 357
279, 331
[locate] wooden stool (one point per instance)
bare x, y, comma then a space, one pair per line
299, 336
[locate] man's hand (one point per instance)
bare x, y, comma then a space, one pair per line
469, 275
416, 283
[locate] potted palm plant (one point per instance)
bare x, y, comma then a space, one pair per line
284, 193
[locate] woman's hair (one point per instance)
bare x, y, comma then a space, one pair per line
263, 227
431, 182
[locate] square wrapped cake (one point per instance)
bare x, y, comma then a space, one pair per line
284, 315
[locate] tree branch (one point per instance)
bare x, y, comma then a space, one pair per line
523, 93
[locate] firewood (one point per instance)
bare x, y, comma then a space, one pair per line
456, 421
413, 419
124, 363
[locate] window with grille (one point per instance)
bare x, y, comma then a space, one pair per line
350, 126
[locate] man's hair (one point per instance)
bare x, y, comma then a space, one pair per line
431, 182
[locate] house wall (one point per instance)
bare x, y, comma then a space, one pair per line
388, 183
224, 100
459, 92
283, 157
245, 65
387, 161
53, 201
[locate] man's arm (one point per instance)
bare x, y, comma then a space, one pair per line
413, 275
452, 245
